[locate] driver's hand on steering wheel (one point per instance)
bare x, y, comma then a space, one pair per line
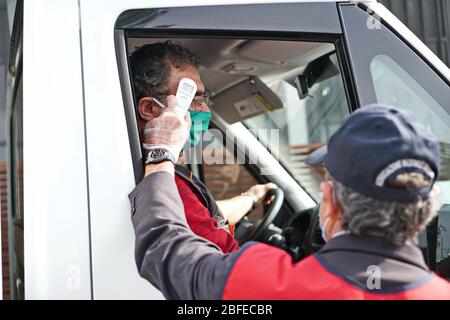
234, 209
259, 191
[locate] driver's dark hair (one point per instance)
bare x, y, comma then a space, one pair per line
151, 63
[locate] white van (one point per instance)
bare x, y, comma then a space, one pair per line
74, 149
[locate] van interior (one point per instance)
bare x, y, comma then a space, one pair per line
273, 103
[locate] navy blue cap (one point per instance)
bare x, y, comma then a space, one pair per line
374, 145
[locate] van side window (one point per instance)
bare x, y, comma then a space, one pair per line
307, 121
390, 72
394, 86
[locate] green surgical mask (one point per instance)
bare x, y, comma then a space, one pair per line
200, 123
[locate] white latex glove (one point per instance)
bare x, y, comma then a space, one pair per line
169, 130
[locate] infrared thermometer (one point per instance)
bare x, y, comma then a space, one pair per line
186, 92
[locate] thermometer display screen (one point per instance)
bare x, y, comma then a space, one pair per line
188, 88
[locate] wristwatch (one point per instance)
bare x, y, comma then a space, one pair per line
159, 155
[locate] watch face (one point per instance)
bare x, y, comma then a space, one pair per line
158, 155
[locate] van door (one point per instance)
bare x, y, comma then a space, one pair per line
113, 145
48, 137
392, 67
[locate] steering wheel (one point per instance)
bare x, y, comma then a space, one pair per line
313, 238
246, 230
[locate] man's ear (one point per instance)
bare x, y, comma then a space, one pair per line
148, 109
327, 189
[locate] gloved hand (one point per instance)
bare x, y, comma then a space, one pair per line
169, 130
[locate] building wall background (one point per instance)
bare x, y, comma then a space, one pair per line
427, 19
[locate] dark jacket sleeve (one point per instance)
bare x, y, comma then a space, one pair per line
168, 254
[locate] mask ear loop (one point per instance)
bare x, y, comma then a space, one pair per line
327, 219
325, 223
334, 199
333, 193
159, 103
324, 229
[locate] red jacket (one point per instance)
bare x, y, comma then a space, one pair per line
268, 273
198, 215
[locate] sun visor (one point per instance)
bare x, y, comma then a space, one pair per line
245, 99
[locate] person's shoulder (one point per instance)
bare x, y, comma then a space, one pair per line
264, 259
268, 272
443, 283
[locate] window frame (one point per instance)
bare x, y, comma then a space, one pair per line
361, 55
147, 23
410, 59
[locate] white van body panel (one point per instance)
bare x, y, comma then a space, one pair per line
111, 175
55, 184
110, 167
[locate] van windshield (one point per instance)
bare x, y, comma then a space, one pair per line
304, 123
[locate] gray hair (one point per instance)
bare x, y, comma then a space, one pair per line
396, 222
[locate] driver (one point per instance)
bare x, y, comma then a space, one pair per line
157, 69
379, 194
